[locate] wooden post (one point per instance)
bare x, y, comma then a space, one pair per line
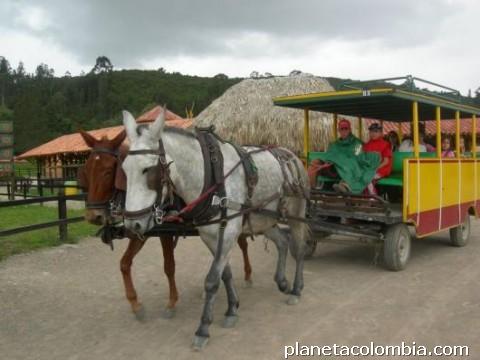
62, 215
39, 180
335, 124
438, 117
415, 129
360, 128
457, 134
474, 136
306, 134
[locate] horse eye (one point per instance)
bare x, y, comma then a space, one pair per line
145, 170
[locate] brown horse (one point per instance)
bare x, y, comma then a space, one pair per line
103, 178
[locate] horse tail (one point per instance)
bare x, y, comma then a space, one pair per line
300, 231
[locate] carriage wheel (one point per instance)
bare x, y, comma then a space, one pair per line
397, 246
460, 235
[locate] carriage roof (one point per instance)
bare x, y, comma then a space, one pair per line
384, 103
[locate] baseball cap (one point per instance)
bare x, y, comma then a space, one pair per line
375, 126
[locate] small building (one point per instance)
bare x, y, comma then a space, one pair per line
61, 157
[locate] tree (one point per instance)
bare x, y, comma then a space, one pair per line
44, 72
20, 71
254, 74
221, 76
4, 66
5, 76
102, 65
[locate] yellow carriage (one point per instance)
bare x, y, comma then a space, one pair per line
424, 190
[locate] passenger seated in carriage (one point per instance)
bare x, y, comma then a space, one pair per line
384, 149
347, 144
407, 143
447, 151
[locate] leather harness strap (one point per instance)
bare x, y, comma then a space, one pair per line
201, 210
213, 176
163, 172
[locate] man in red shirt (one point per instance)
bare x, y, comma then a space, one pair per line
383, 147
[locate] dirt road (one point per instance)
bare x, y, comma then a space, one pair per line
67, 302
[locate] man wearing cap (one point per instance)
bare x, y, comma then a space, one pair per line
383, 148
347, 144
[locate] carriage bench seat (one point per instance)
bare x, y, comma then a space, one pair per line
396, 177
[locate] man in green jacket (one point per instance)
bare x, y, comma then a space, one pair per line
347, 144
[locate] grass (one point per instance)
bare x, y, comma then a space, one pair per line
17, 216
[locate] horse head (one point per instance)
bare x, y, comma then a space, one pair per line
147, 171
99, 175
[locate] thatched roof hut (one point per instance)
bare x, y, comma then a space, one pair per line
245, 113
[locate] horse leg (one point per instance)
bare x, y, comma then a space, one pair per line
242, 242
134, 246
281, 242
297, 246
231, 316
168, 247
220, 247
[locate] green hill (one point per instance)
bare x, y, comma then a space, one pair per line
45, 106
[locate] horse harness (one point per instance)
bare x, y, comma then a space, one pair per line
212, 200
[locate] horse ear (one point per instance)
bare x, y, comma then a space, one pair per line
130, 125
89, 139
157, 126
117, 140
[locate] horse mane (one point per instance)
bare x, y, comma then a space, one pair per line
179, 131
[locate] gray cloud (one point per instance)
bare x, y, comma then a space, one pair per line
131, 31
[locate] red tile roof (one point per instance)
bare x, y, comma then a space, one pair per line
73, 143
448, 126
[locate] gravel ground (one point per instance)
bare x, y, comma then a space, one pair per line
68, 303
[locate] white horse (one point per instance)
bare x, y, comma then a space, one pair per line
186, 170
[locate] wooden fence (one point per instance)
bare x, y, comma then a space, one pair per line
62, 221
23, 186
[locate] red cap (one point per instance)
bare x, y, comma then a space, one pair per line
344, 123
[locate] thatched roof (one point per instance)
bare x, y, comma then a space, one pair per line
245, 113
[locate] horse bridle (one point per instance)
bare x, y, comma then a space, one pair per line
108, 205
160, 178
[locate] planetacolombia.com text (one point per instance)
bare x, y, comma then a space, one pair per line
372, 349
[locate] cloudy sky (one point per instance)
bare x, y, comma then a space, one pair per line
362, 39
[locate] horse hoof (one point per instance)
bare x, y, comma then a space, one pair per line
140, 314
199, 342
293, 300
284, 287
248, 284
230, 321
168, 313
